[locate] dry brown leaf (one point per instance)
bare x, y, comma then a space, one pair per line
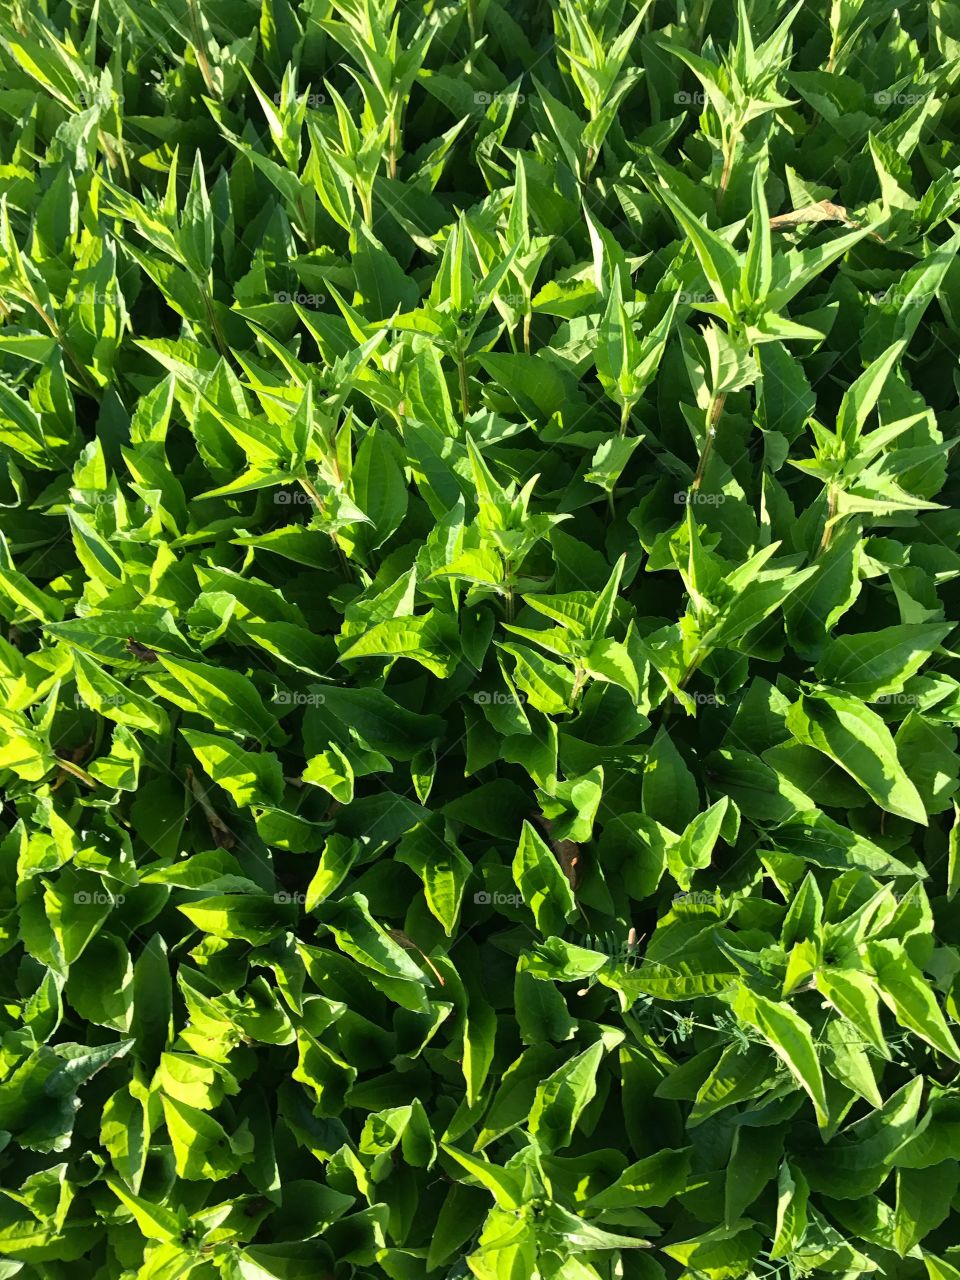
567, 852
404, 940
822, 211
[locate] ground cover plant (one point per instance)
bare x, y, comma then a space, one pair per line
478, 574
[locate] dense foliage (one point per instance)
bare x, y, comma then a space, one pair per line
477, 576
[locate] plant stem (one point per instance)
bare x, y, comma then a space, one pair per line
704, 17
121, 145
698, 656
221, 833
310, 490
828, 527
56, 332
108, 151
305, 226
69, 767
729, 151
464, 386
392, 153
725, 176
625, 410
344, 563
202, 62
527, 319
472, 22
580, 676
366, 201
509, 604
314, 496
212, 319
714, 411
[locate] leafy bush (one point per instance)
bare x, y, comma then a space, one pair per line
478, 570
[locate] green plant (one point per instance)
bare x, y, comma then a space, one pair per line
478, 575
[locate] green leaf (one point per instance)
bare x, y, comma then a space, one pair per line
505, 1185
871, 665
442, 868
719, 261
860, 399
561, 1098
227, 698
201, 1148
542, 883
669, 789
359, 935
858, 741
791, 1039
695, 847
907, 994
249, 777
